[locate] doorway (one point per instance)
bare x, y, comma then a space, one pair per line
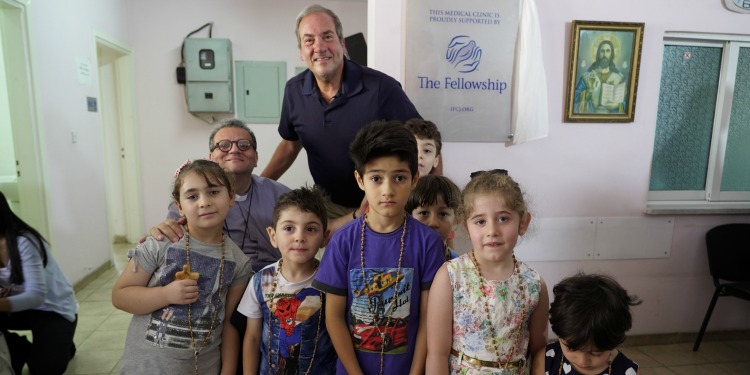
116, 113
20, 160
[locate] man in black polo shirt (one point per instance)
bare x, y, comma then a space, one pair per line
326, 105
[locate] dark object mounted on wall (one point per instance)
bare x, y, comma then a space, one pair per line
356, 48
181, 75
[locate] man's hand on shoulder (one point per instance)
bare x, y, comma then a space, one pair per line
168, 228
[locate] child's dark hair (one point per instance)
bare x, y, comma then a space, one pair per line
591, 310
11, 226
211, 172
431, 187
488, 182
305, 199
384, 138
425, 129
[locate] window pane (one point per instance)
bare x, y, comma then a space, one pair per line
684, 123
736, 175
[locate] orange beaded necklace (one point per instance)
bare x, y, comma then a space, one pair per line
216, 306
493, 334
271, 309
395, 287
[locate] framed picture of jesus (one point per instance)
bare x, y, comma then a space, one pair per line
603, 71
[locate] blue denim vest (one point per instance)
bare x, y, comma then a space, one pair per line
297, 356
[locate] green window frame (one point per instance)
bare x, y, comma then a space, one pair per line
701, 158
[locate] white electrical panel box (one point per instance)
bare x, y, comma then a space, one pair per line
208, 75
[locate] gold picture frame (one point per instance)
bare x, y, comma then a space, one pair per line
603, 71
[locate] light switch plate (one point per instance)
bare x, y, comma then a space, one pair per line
91, 104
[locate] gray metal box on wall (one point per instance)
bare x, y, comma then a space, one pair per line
260, 90
208, 75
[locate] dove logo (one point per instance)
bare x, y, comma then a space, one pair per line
463, 54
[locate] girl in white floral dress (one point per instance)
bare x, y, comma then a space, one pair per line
487, 312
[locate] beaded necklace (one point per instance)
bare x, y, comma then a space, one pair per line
270, 310
395, 287
216, 306
243, 215
517, 271
562, 360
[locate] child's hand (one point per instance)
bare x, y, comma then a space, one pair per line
181, 292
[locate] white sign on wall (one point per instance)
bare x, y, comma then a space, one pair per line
459, 66
83, 70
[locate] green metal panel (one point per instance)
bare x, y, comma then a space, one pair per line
219, 71
208, 84
209, 97
260, 90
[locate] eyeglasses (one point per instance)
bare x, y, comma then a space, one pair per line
493, 171
226, 145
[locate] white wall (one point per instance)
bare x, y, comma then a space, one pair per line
603, 169
61, 32
579, 170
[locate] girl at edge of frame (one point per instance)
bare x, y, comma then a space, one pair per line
34, 295
181, 294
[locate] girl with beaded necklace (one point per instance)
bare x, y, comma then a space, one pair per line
286, 331
487, 312
180, 294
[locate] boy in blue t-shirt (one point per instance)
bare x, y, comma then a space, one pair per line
377, 270
286, 331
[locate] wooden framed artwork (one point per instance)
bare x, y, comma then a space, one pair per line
603, 71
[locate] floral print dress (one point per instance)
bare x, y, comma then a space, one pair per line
472, 335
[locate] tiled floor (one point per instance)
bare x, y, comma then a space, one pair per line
100, 339
714, 358
100, 335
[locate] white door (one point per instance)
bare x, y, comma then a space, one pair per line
115, 106
22, 175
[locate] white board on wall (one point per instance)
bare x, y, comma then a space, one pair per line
559, 239
604, 238
633, 237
